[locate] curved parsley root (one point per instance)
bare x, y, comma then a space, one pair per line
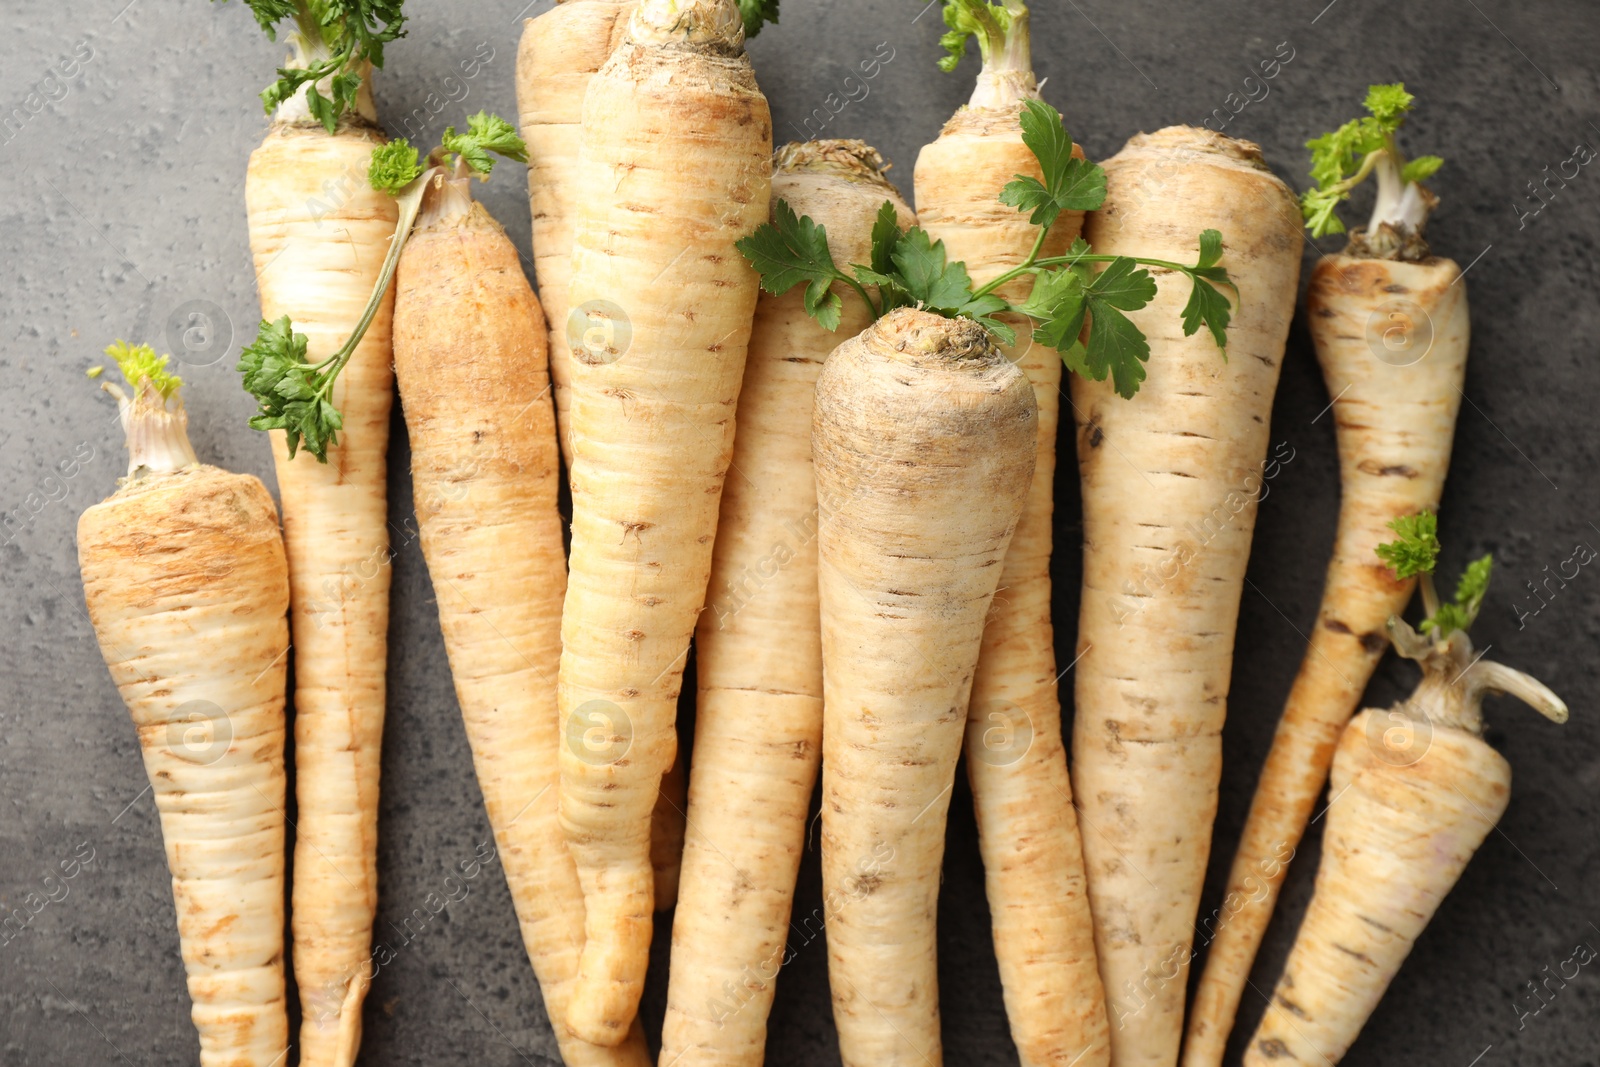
1415, 790
1016, 761
187, 587
1391, 332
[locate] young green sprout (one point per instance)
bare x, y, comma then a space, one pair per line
333, 40
1415, 553
153, 418
1343, 159
297, 396
909, 269
756, 14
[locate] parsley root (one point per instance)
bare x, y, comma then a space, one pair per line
469, 350
758, 724
924, 440
1170, 483
319, 236
1416, 790
1391, 333
1016, 761
675, 164
187, 587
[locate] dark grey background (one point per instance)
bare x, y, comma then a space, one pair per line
122, 200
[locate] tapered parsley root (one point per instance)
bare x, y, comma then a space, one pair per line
319, 236
675, 164
758, 723
1170, 485
1391, 333
1416, 790
187, 587
1016, 762
469, 350
924, 439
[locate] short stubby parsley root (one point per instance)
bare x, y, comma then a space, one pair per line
1415, 790
1391, 332
319, 235
469, 351
1170, 481
758, 722
924, 442
187, 588
675, 164
1016, 761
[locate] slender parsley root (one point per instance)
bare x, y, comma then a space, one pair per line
187, 588
1016, 761
1170, 486
675, 164
1416, 790
758, 725
318, 235
469, 351
924, 442
1390, 326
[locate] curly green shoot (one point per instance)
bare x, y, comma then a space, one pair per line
910, 269
1415, 554
153, 419
1364, 147
295, 395
332, 42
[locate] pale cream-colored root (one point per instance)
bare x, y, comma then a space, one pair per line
560, 51
470, 361
1016, 761
1396, 842
676, 149
758, 724
187, 586
319, 233
1171, 480
924, 441
1395, 425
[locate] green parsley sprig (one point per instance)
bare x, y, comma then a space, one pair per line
911, 269
333, 38
292, 393
990, 23
1415, 553
1343, 159
757, 13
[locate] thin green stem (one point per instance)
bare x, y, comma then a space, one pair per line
1430, 596
1025, 267
862, 290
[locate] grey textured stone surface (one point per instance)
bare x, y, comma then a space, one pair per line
121, 200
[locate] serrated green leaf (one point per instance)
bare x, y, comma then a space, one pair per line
1421, 169
756, 14
1123, 285
1207, 306
885, 235
1070, 184
1115, 345
394, 166
1416, 548
1210, 248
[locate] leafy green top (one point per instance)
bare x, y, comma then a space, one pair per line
140, 364
397, 164
335, 38
757, 13
912, 269
1342, 159
988, 22
1415, 553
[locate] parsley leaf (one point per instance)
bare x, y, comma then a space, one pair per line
291, 393
1388, 104
1070, 184
346, 33
1342, 159
1421, 169
757, 13
972, 18
486, 133
140, 364
791, 250
1416, 550
394, 166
